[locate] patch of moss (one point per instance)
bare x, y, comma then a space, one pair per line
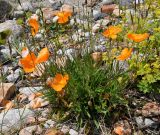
3, 36
20, 21
28, 14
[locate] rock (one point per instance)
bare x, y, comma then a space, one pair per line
13, 119
148, 122
139, 1
50, 122
18, 71
72, 21
103, 22
60, 52
18, 14
56, 5
151, 109
3, 59
97, 14
49, 13
117, 12
12, 77
65, 129
6, 91
67, 8
11, 26
55, 19
129, 3
96, 28
73, 132
5, 9
36, 129
91, 3
45, 112
9, 53
108, 9
5, 69
29, 90
26, 6
39, 36
139, 121
105, 2
87, 34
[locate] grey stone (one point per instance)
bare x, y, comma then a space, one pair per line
107, 2
103, 22
60, 52
5, 9
148, 122
73, 132
12, 26
87, 34
45, 112
18, 14
96, 28
14, 118
18, 71
38, 36
26, 6
56, 5
139, 121
2, 59
9, 53
36, 129
129, 2
65, 129
46, 125
12, 77
5, 69
29, 90
50, 122
96, 14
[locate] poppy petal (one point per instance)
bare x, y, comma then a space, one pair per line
125, 54
63, 17
28, 63
34, 26
43, 56
58, 82
112, 31
138, 37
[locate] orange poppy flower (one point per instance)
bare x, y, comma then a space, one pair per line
58, 82
125, 54
34, 26
138, 37
30, 61
112, 31
63, 17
